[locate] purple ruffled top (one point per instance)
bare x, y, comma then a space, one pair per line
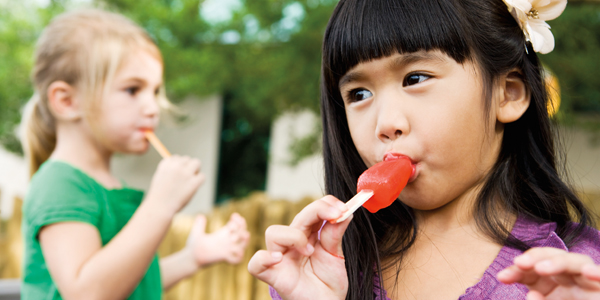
535, 235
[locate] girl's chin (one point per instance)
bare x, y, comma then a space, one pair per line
141, 150
136, 150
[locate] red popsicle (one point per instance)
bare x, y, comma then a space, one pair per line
380, 185
386, 179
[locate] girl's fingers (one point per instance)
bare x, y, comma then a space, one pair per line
192, 165
331, 237
566, 270
242, 239
198, 228
563, 263
199, 179
331, 200
261, 262
533, 256
514, 274
535, 295
239, 220
510, 275
591, 272
564, 280
586, 283
527, 260
315, 213
542, 269
280, 238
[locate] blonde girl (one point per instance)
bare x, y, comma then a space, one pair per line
456, 86
98, 81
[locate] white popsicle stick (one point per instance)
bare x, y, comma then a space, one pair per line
353, 204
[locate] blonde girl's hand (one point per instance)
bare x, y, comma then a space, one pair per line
175, 181
552, 274
226, 244
296, 263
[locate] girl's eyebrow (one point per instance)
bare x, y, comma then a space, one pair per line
139, 81
399, 62
135, 80
411, 58
351, 76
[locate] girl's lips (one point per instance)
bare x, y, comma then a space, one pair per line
393, 156
415, 173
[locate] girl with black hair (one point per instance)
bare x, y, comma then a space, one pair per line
456, 86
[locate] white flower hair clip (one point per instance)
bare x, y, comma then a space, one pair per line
532, 16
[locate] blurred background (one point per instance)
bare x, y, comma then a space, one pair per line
246, 72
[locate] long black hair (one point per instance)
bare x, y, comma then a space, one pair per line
525, 179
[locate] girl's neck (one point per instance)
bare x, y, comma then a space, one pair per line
457, 217
450, 244
79, 148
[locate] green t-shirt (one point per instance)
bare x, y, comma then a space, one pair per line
59, 192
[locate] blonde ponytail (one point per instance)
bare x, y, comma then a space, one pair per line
38, 133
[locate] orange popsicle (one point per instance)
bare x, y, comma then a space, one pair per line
380, 185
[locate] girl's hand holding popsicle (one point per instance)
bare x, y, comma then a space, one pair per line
176, 179
317, 265
296, 263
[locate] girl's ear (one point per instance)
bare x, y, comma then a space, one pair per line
514, 97
62, 101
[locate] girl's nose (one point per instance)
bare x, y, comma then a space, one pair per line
392, 121
151, 107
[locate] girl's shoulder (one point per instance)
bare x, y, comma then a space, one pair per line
588, 243
543, 234
55, 172
58, 184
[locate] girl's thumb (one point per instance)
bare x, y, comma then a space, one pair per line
331, 237
198, 228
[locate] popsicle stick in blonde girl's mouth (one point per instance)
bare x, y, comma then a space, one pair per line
160, 148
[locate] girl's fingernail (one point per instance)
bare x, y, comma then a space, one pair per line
502, 273
309, 249
277, 255
591, 269
523, 259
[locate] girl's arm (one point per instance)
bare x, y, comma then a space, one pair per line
83, 269
552, 274
226, 244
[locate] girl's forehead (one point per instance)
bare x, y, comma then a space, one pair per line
395, 61
141, 65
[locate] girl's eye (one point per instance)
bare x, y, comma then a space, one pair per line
156, 92
359, 95
132, 90
412, 79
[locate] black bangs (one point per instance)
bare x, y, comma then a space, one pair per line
361, 31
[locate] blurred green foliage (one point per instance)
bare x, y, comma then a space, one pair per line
264, 58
